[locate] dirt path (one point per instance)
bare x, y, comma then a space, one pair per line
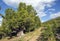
36, 35
13, 39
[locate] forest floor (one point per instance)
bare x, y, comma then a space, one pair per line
32, 36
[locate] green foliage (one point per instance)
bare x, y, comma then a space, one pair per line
47, 35
28, 16
25, 17
50, 32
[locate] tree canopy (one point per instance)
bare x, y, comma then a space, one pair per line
25, 18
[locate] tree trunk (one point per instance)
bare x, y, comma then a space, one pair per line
20, 33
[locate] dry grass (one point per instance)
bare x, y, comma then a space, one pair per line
32, 36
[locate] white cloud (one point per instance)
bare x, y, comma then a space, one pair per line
55, 15
51, 9
41, 14
39, 5
0, 21
31, 2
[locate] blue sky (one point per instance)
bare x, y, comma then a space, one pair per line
46, 9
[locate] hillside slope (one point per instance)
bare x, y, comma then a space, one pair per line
55, 21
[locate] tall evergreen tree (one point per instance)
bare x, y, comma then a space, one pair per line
24, 18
